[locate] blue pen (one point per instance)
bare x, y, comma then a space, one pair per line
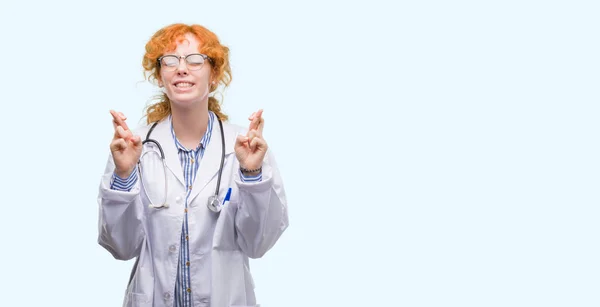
227, 196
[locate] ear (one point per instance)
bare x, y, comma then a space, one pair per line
161, 87
159, 80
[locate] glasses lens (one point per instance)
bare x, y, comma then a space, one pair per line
169, 61
194, 61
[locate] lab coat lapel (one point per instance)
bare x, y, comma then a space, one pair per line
211, 161
162, 134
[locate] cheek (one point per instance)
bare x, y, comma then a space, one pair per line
164, 79
202, 75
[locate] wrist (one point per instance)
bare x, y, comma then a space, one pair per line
123, 174
251, 171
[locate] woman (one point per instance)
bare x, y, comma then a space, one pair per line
191, 250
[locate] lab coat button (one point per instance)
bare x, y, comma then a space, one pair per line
167, 295
172, 248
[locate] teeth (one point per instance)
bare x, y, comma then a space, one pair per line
183, 84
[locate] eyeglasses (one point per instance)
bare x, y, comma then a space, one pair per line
193, 61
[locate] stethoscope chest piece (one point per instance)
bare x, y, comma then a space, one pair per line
214, 204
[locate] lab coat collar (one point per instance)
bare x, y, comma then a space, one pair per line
162, 134
210, 162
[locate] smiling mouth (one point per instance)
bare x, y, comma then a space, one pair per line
184, 85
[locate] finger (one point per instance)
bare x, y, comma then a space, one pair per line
115, 124
118, 131
118, 145
253, 123
257, 143
261, 125
252, 134
258, 120
123, 134
258, 114
116, 135
255, 119
137, 140
253, 143
118, 119
257, 126
115, 115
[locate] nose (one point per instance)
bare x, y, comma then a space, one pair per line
182, 67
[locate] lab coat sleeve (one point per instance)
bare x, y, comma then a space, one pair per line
262, 214
245, 178
121, 184
120, 217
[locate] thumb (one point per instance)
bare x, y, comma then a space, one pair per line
257, 143
241, 140
118, 145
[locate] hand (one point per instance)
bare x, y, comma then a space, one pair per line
125, 147
250, 149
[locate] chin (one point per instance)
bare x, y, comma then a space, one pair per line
184, 100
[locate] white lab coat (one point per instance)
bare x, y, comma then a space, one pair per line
248, 226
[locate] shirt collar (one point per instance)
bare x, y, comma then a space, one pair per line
205, 139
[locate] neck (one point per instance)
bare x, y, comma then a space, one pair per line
190, 125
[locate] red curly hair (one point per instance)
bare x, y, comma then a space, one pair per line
165, 40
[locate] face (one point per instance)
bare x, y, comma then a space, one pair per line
185, 86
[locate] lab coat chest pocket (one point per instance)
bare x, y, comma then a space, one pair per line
224, 237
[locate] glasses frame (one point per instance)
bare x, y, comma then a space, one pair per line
180, 57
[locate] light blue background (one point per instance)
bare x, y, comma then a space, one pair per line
435, 153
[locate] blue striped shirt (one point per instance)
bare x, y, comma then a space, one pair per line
190, 161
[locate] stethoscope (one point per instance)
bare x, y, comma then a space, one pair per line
214, 203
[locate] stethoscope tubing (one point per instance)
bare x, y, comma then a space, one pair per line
214, 199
